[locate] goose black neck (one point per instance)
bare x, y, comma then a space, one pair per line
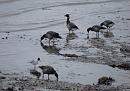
68, 20
56, 75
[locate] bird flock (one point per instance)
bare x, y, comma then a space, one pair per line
107, 24
51, 35
45, 70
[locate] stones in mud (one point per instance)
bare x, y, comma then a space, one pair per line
105, 80
125, 49
5, 38
69, 55
2, 77
108, 34
21, 88
99, 43
128, 19
12, 88
9, 89
125, 66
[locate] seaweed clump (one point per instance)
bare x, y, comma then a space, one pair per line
105, 80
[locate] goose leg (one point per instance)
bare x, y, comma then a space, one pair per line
88, 36
72, 31
98, 34
49, 42
43, 76
38, 77
53, 41
69, 31
48, 76
109, 29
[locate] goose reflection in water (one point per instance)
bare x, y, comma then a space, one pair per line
70, 36
51, 49
107, 34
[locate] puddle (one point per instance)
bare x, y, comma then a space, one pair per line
89, 73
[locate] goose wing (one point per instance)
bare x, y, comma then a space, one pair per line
48, 70
52, 34
72, 26
96, 28
107, 22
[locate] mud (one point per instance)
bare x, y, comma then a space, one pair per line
14, 82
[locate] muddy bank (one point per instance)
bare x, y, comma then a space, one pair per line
109, 54
16, 82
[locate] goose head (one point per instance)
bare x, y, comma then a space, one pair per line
56, 75
89, 29
67, 15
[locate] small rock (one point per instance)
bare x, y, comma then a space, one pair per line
125, 49
7, 32
10, 89
21, 88
125, 66
6, 37
105, 80
128, 19
70, 55
2, 77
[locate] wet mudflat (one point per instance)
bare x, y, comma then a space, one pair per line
78, 60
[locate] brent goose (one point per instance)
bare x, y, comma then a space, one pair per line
35, 73
48, 70
70, 25
107, 23
95, 28
51, 35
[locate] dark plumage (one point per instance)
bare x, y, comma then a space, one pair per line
70, 25
51, 35
48, 70
107, 23
95, 28
35, 73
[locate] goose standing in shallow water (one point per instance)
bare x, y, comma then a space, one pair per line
51, 35
95, 28
107, 23
70, 25
48, 70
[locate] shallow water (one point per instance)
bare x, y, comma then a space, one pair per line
22, 51
28, 20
